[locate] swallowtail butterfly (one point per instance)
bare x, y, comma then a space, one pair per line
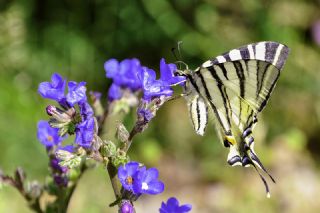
235, 86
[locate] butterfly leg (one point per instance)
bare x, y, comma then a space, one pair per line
178, 96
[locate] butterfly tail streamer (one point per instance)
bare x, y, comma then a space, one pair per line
244, 155
263, 180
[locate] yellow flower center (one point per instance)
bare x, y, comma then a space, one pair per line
129, 180
50, 138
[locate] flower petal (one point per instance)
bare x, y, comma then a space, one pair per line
115, 92
154, 187
111, 67
152, 174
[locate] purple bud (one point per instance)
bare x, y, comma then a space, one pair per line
126, 207
50, 110
60, 180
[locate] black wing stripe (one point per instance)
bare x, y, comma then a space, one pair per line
245, 53
224, 95
266, 67
227, 56
264, 102
271, 48
282, 57
210, 101
198, 114
224, 71
261, 70
241, 77
192, 81
254, 50
191, 113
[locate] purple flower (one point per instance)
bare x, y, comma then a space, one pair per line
85, 132
86, 110
167, 73
156, 88
115, 92
126, 207
125, 73
148, 181
76, 93
47, 135
172, 206
152, 87
130, 74
140, 180
127, 174
53, 90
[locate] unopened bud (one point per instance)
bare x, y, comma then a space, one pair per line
68, 159
122, 133
108, 149
126, 207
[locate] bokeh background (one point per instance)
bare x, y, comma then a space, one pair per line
75, 38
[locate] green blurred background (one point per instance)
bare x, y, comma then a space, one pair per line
75, 38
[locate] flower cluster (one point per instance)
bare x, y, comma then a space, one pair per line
140, 180
172, 206
130, 74
67, 119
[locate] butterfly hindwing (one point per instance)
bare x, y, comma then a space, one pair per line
198, 112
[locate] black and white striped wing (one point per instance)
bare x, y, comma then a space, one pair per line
236, 86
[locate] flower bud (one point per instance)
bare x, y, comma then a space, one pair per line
122, 133
108, 149
126, 207
68, 159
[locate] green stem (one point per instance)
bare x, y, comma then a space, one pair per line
112, 171
133, 132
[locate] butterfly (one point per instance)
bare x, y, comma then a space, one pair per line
235, 87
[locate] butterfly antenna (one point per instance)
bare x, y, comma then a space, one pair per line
178, 56
181, 62
173, 50
179, 49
